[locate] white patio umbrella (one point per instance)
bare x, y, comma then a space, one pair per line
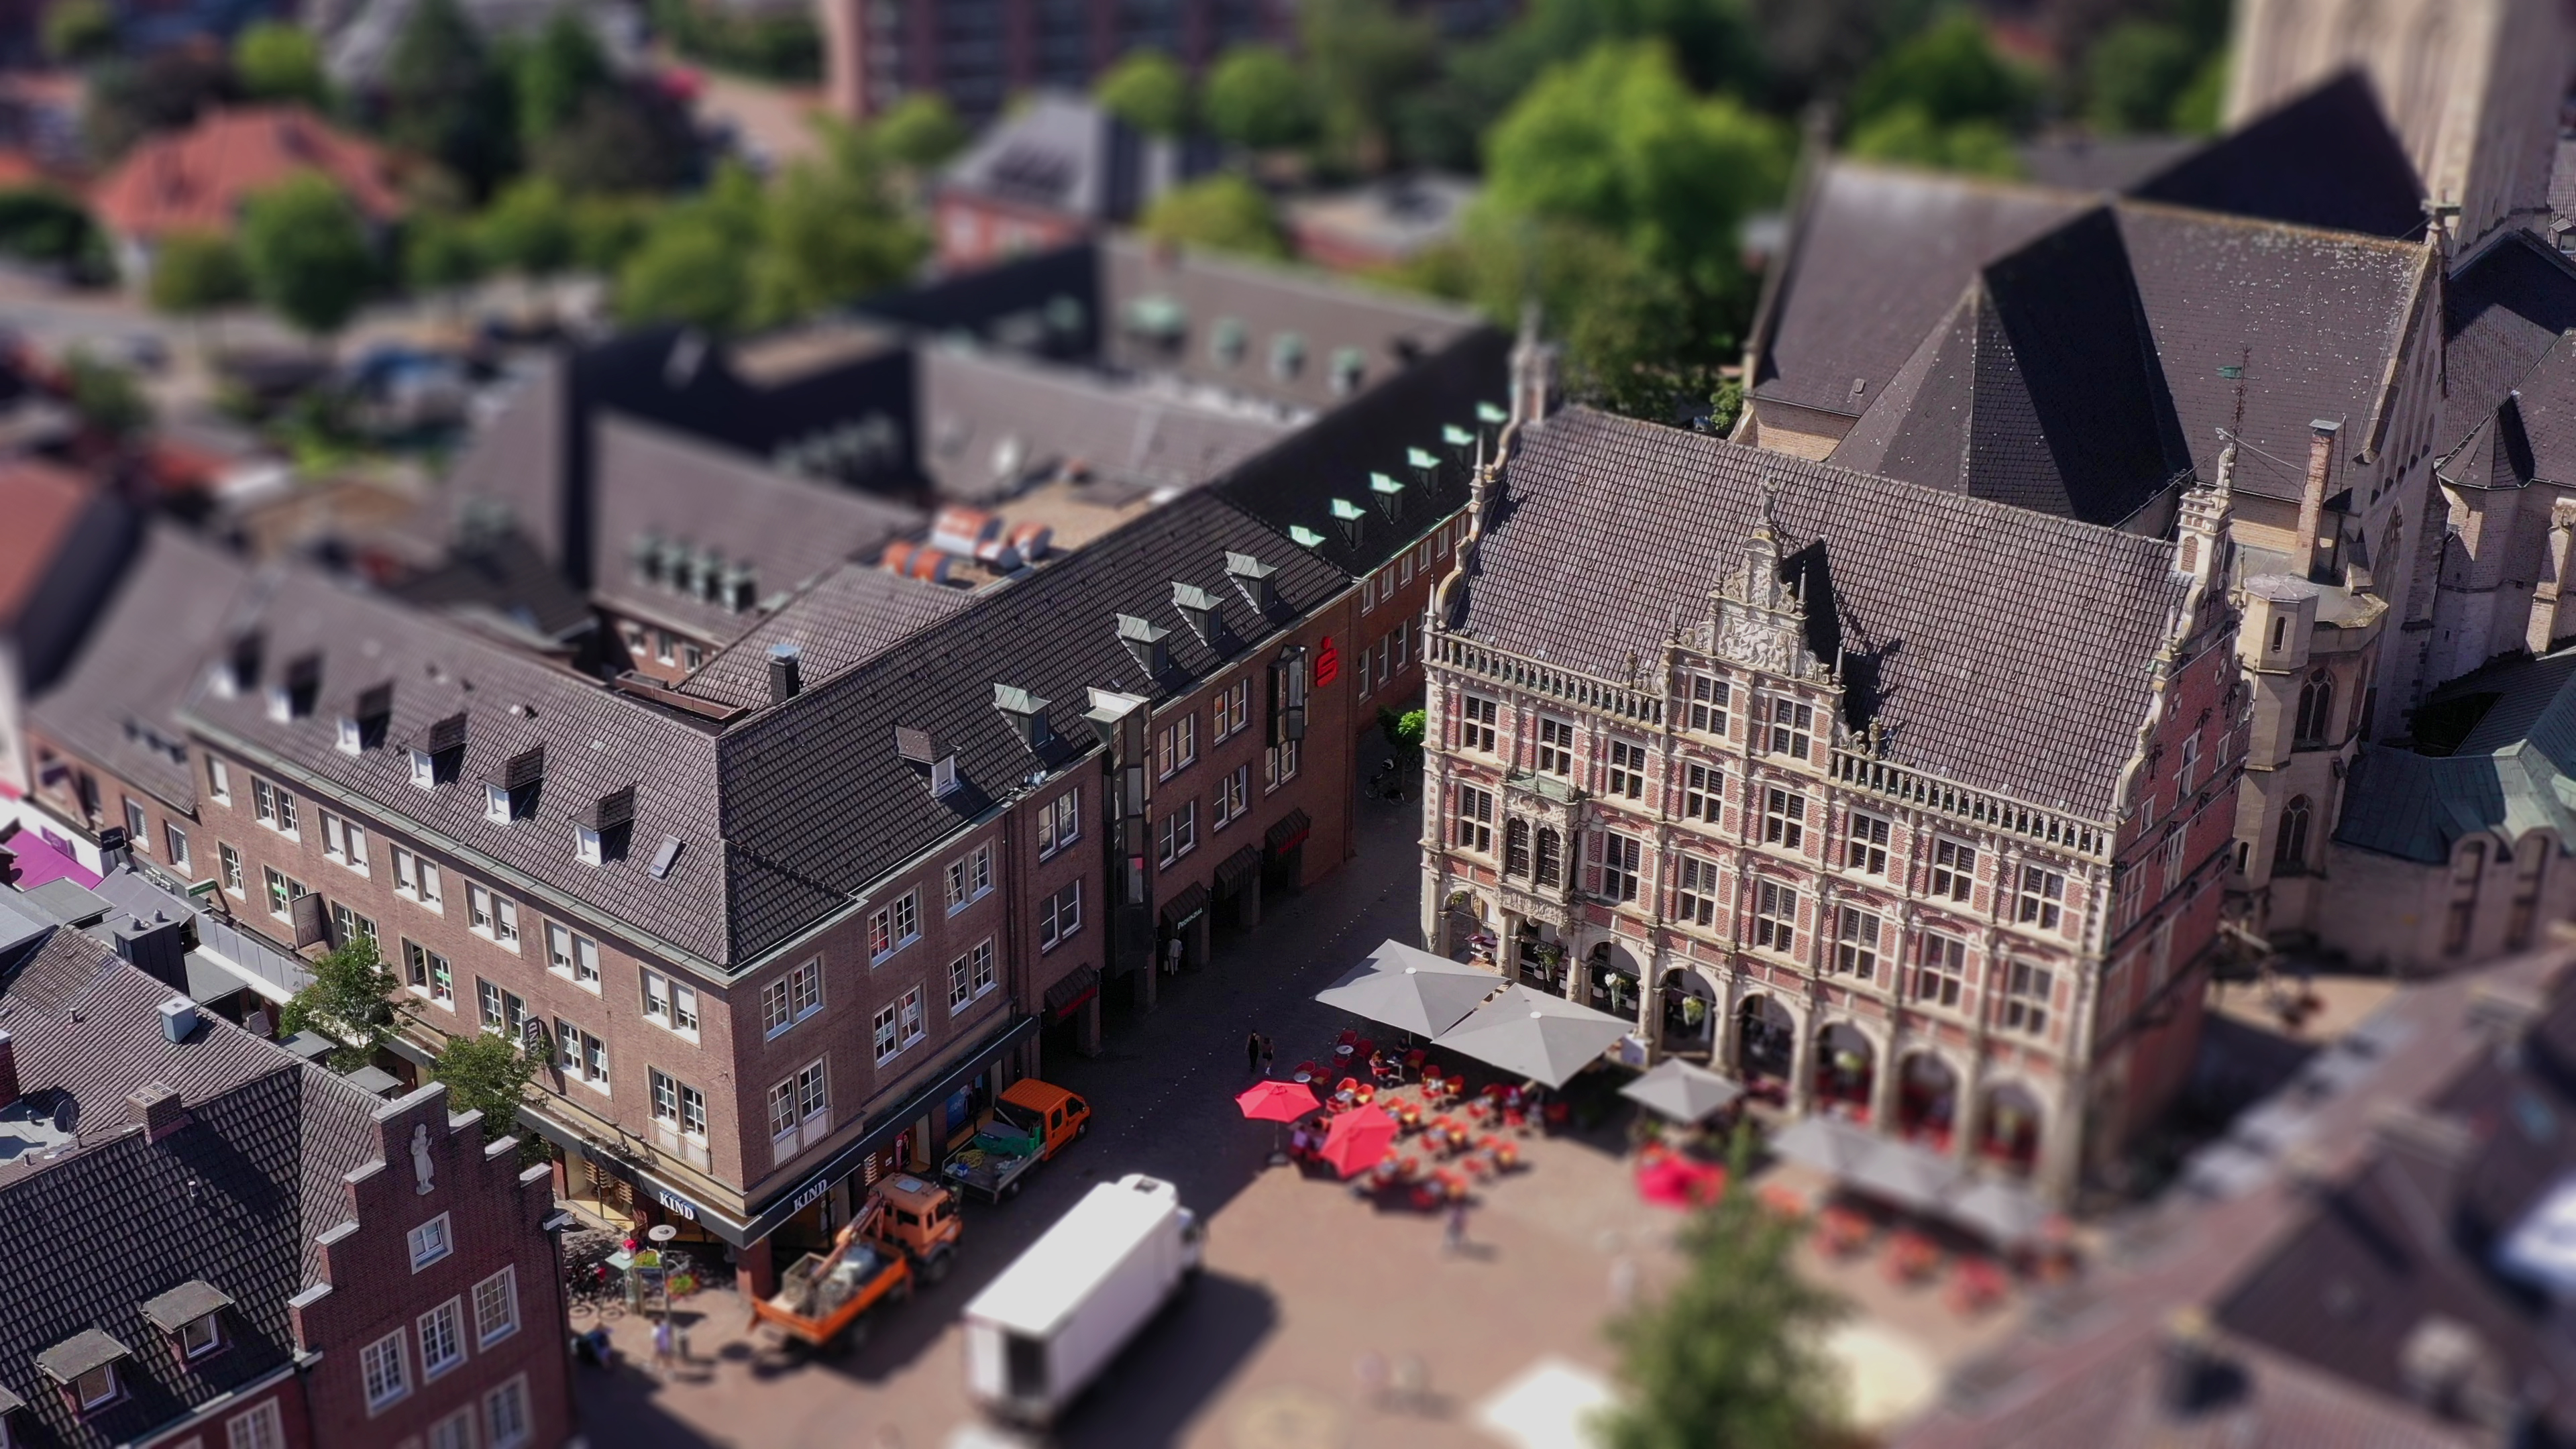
1542, 1037
1411, 990
1682, 1092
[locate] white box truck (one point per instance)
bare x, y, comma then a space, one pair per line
1042, 1331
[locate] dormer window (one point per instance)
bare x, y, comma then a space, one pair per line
281, 703
192, 1315
84, 1366
96, 1389
199, 1337
424, 770
512, 794
585, 845
350, 739
496, 803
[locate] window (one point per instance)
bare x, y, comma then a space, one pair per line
231, 862
259, 1428
1618, 859
894, 925
505, 1415
1478, 724
347, 925
1790, 723
2189, 769
573, 956
456, 1431
2026, 990
666, 649
496, 804
1179, 834
503, 1011
2043, 897
1940, 969
272, 805
1059, 822
1278, 765
175, 840
199, 1337
1775, 916
887, 1042
1703, 792
2177, 844
1865, 849
2316, 706
1176, 748
1627, 770
1475, 820
1695, 899
1551, 858
1954, 869
583, 1057
1233, 710
219, 780
493, 916
429, 1242
1856, 944
1708, 706
678, 1105
429, 973
694, 657
388, 1376
1784, 818
424, 770
415, 877
442, 1339
344, 841
2290, 851
912, 1018
138, 826
796, 1103
282, 891
792, 997
1555, 746
97, 1388
969, 876
670, 1002
970, 976
1233, 796
586, 846
1516, 853
1060, 916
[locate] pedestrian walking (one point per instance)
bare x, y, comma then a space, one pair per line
662, 1347
1454, 1237
1266, 1056
1252, 1052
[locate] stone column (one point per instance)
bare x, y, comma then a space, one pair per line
755, 1273
1882, 1086
1806, 1043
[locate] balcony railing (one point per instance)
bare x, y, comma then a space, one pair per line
1579, 690
1971, 807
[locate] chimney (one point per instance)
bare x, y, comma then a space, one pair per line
156, 1109
1148, 643
1199, 608
1028, 716
786, 673
1533, 372
157, 947
178, 1019
2312, 499
1258, 580
9, 1092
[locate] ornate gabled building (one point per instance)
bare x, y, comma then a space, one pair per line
1890, 801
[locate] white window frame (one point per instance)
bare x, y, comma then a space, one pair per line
510, 1427
385, 1372
1232, 712
431, 1242
444, 1321
1953, 876
1178, 835
893, 926
1695, 893
573, 956
228, 866
1060, 917
2041, 901
1784, 818
1790, 729
1707, 699
1176, 745
970, 976
219, 779
1703, 793
1474, 817
1059, 822
1775, 916
1856, 938
1865, 843
260, 1426
2028, 993
1554, 743
1233, 797
1625, 772
191, 1346
1940, 971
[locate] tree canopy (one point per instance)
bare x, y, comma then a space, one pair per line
1257, 99
527, 228
107, 397
353, 999
1223, 213
487, 1073
80, 31
445, 98
1952, 74
310, 258
1363, 57
439, 253
829, 233
555, 75
276, 61
1147, 90
2136, 74
195, 272
920, 131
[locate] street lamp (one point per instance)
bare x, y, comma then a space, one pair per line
662, 1234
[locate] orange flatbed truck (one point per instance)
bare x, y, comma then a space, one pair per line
909, 1227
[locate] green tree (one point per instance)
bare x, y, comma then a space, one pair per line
2136, 74
555, 75
275, 61
528, 228
445, 98
2200, 109
694, 264
80, 31
829, 233
308, 253
42, 224
1257, 98
1952, 74
1224, 213
134, 97
486, 1073
354, 999
607, 229
1908, 137
194, 273
1147, 90
1734, 1353
1725, 406
1363, 56
919, 132
440, 253
108, 399
620, 141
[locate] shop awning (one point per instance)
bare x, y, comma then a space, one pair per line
1410, 990
1185, 906
1682, 1092
1288, 834
1071, 992
1231, 871
1542, 1037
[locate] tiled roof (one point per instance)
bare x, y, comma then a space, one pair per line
2004, 649
2506, 307
817, 802
42, 503
596, 743
2515, 771
2039, 390
2077, 162
515, 468
989, 421
118, 703
851, 615
197, 179
1057, 152
1293, 484
2325, 159
653, 484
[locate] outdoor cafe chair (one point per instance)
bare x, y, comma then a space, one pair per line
1307, 1072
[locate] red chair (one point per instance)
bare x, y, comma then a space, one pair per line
1414, 1059
1308, 1071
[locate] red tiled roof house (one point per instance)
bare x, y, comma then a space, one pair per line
197, 180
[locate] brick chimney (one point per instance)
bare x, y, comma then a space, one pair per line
2312, 497
8, 1071
157, 1109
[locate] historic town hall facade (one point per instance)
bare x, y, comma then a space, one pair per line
1885, 800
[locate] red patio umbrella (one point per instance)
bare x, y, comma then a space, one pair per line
1276, 1102
1676, 1182
1358, 1140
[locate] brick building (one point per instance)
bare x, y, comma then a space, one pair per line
1911, 806
219, 1243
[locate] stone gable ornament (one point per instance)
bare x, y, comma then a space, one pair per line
421, 1168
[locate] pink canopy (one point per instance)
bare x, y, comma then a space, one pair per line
1359, 1140
1277, 1102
